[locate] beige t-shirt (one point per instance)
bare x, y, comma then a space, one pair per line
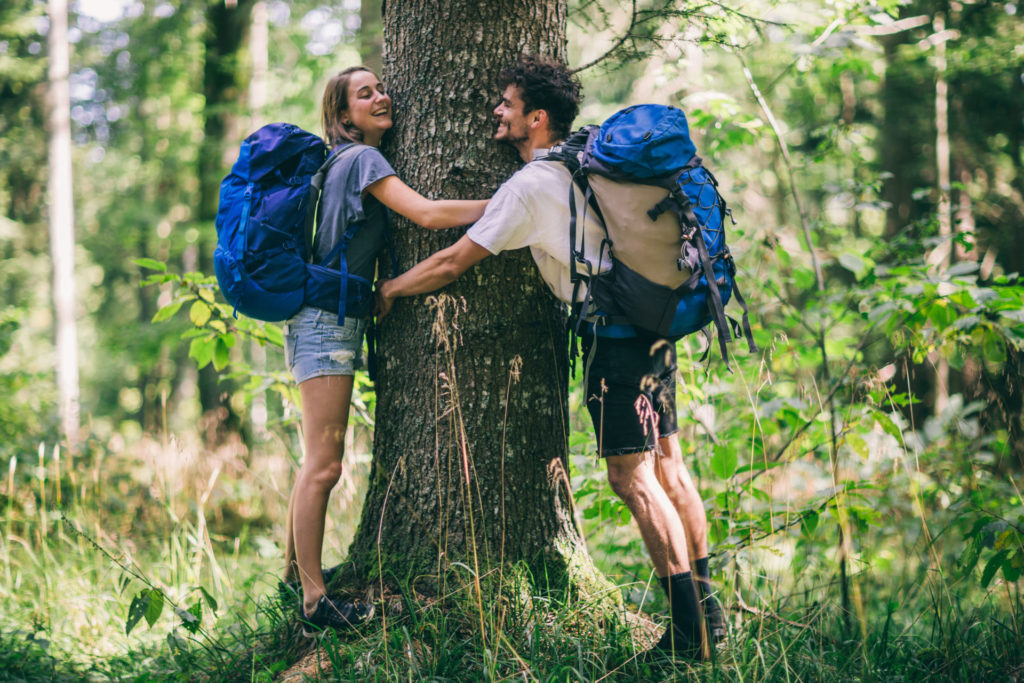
531, 209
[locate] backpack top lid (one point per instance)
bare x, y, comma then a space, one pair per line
272, 145
645, 141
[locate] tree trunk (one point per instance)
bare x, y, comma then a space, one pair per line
470, 446
943, 254
225, 90
62, 221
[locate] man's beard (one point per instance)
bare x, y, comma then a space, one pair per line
509, 137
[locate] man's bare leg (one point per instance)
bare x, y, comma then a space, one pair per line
675, 479
634, 480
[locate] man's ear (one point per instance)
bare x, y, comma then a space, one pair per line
538, 118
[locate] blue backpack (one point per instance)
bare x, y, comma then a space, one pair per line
672, 272
265, 226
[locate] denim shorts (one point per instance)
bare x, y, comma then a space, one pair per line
316, 346
631, 392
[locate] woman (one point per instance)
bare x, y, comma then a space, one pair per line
323, 355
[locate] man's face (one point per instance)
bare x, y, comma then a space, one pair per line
512, 126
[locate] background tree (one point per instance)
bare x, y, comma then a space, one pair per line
62, 220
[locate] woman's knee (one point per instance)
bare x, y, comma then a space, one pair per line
321, 478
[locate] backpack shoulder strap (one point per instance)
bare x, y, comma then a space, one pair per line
316, 183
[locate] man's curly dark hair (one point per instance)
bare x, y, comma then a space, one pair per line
545, 84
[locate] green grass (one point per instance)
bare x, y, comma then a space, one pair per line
83, 539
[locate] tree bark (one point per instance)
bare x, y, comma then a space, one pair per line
470, 445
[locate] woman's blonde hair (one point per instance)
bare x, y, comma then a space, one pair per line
335, 102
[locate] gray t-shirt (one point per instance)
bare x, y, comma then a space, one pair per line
342, 205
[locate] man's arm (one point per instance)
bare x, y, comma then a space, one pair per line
431, 273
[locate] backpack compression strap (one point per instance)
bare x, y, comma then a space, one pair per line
579, 179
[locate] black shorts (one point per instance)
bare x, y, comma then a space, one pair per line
631, 392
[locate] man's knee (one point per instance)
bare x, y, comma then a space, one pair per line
621, 481
680, 488
631, 481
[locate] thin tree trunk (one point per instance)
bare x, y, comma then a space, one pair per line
62, 222
470, 446
943, 254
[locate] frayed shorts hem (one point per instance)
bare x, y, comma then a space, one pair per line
316, 346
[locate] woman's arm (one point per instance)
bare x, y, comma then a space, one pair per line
430, 213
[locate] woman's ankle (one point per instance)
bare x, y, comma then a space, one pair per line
308, 607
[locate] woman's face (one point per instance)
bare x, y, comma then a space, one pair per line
369, 107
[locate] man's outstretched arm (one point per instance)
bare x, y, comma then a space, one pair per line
431, 273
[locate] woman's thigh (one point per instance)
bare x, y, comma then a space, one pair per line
325, 403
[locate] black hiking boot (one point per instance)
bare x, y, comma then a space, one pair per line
290, 589
334, 614
676, 644
685, 636
714, 617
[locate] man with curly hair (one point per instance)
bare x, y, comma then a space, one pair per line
630, 382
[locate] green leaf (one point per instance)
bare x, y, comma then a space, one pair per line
724, 462
757, 465
168, 311
966, 322
994, 348
808, 523
759, 494
157, 279
201, 349
275, 335
804, 278
221, 353
858, 444
889, 426
151, 264
138, 609
155, 607
624, 515
941, 315
199, 313
1011, 568
992, 566
210, 600
190, 618
853, 263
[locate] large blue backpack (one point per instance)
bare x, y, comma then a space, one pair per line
265, 224
647, 150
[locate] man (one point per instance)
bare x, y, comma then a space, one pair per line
631, 391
